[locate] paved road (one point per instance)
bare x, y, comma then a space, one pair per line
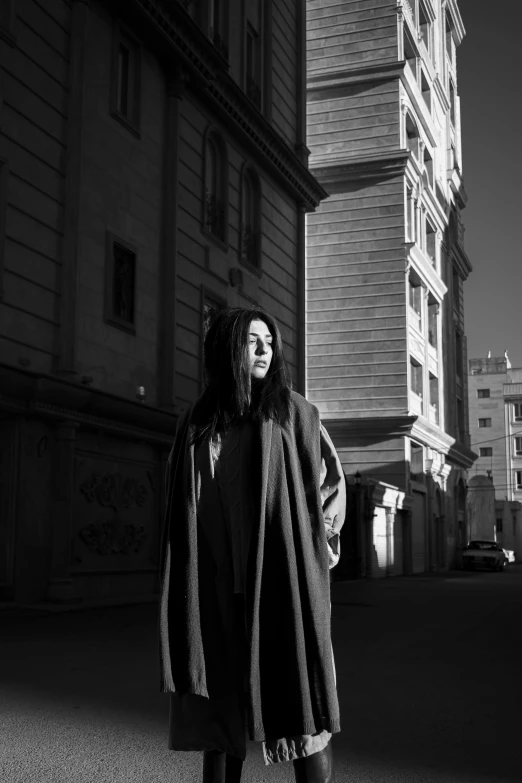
429, 673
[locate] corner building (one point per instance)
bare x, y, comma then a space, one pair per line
152, 169
386, 350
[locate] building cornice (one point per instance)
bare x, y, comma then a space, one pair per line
338, 170
48, 396
181, 43
327, 79
349, 431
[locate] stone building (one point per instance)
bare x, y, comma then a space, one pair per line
495, 417
386, 265
152, 168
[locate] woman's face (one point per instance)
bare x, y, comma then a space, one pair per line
259, 349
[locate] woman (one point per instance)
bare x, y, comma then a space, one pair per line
255, 502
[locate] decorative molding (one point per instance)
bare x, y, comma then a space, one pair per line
55, 398
180, 37
326, 80
349, 431
340, 171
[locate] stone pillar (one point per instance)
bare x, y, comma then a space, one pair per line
60, 588
73, 189
167, 320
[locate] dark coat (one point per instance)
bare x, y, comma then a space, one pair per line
291, 683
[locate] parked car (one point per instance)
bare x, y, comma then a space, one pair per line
510, 556
483, 554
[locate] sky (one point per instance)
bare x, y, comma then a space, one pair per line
489, 65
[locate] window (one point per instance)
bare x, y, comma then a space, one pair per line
410, 54
120, 284
425, 28
431, 242
456, 290
417, 461
253, 65
250, 219
482, 394
498, 524
416, 373
461, 429
126, 80
410, 215
211, 305
7, 20
434, 399
216, 188
485, 451
433, 319
518, 447
428, 166
218, 24
518, 479
449, 39
459, 355
484, 422
426, 91
412, 137
415, 294
452, 102
517, 411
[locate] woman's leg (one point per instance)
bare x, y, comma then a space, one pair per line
317, 768
219, 767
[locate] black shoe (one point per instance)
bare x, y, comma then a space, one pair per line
317, 768
220, 767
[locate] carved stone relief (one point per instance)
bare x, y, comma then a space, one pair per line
116, 519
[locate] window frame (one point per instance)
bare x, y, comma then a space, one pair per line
517, 447
250, 176
7, 21
485, 425
488, 449
517, 416
414, 377
214, 137
483, 394
518, 480
122, 36
207, 295
109, 316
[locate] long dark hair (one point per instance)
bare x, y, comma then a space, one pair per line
230, 394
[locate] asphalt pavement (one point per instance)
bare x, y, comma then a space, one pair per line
429, 679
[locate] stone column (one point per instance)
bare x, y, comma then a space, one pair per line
73, 189
167, 304
60, 588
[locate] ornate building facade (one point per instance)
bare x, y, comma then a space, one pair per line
386, 265
152, 168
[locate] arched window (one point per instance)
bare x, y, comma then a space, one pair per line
251, 219
216, 188
412, 137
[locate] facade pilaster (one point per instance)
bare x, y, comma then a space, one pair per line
73, 187
168, 292
60, 589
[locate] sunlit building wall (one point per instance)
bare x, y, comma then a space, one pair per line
386, 265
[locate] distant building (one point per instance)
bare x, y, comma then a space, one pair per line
152, 169
495, 415
386, 265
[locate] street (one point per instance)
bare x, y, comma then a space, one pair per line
428, 672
